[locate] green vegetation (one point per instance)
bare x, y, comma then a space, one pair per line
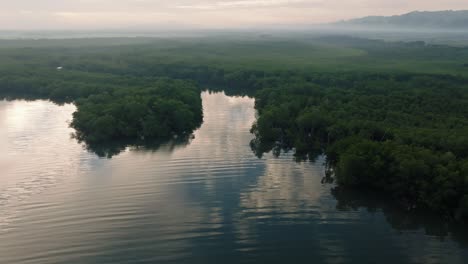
405, 135
389, 116
167, 109
110, 107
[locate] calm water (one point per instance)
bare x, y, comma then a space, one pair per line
211, 201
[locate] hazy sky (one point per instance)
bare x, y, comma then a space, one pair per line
159, 14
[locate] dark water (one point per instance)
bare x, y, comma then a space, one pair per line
211, 201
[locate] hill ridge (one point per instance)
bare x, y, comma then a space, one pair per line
455, 19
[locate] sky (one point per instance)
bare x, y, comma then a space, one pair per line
159, 14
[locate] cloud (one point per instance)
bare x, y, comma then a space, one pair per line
116, 19
243, 4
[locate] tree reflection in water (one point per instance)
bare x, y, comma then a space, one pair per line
398, 217
115, 147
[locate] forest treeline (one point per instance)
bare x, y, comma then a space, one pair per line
404, 135
400, 128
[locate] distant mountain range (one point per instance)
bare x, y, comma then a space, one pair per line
431, 20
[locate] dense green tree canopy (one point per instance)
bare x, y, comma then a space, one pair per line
168, 108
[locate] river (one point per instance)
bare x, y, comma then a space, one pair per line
209, 201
